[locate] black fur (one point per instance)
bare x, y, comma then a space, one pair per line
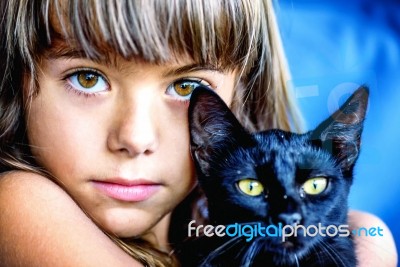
224, 153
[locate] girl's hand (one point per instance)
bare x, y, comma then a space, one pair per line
373, 250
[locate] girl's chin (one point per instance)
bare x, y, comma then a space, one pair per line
127, 225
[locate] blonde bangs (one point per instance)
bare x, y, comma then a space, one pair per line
223, 33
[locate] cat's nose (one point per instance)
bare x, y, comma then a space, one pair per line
290, 218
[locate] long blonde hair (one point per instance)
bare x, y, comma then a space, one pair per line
232, 34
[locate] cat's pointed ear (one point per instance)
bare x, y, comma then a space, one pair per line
341, 132
212, 125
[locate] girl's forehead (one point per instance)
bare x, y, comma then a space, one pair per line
179, 63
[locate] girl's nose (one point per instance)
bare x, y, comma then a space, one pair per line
134, 129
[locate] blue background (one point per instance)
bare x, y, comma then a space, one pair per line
333, 46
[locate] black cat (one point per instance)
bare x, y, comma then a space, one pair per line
274, 178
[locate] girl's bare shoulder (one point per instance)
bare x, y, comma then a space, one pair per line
41, 225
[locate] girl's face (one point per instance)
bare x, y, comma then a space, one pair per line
115, 134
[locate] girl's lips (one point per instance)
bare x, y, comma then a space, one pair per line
130, 191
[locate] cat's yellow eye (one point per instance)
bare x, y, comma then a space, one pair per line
251, 187
315, 186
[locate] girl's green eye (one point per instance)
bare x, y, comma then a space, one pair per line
87, 79
251, 187
315, 186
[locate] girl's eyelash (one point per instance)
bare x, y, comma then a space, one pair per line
71, 89
78, 70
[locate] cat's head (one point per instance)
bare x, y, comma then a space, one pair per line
275, 176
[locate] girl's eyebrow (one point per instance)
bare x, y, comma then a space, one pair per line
59, 51
191, 68
60, 47
70, 52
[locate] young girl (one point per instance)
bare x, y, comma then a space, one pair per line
93, 121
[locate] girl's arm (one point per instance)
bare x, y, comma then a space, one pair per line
40, 225
373, 250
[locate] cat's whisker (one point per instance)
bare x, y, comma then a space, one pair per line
333, 253
220, 250
327, 252
332, 248
297, 260
252, 250
317, 253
